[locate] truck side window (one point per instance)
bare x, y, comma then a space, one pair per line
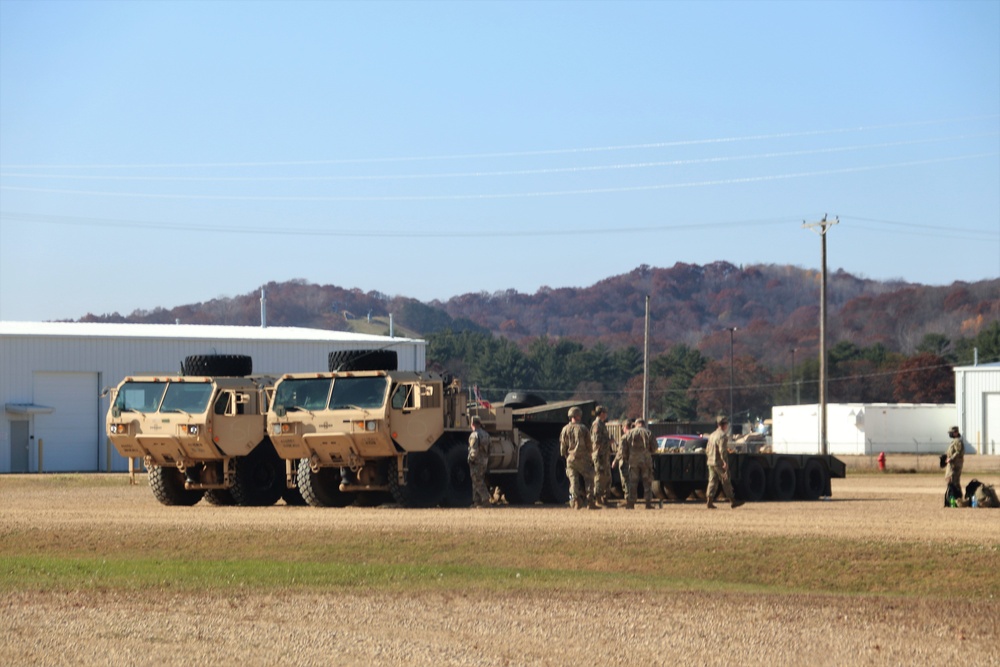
223, 404
403, 398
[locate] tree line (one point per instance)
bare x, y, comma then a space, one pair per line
687, 385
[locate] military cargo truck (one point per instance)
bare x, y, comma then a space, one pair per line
351, 435
201, 433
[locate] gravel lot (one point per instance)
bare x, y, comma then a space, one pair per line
108, 627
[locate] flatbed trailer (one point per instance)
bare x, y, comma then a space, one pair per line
755, 477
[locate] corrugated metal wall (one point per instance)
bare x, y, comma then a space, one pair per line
23, 358
978, 392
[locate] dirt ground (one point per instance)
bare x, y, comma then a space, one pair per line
105, 627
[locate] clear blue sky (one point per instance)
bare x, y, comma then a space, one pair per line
157, 154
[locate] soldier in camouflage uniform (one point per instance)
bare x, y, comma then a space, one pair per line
602, 455
622, 466
637, 452
479, 458
717, 453
954, 457
576, 448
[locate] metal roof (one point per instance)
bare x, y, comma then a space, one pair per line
186, 332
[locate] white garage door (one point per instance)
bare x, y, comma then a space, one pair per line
991, 439
69, 433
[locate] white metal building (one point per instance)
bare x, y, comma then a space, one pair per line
977, 393
864, 428
53, 375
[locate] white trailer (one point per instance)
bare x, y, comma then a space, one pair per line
864, 428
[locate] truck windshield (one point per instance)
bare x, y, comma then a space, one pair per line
301, 394
355, 392
187, 397
140, 396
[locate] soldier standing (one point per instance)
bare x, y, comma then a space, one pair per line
717, 453
619, 461
637, 451
575, 447
479, 458
954, 457
602, 455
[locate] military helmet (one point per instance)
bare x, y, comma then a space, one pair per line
575, 411
721, 419
476, 421
600, 409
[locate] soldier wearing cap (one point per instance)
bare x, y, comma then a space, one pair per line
619, 461
479, 458
637, 453
954, 458
602, 455
717, 453
576, 448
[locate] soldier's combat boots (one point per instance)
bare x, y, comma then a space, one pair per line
593, 506
736, 503
710, 505
649, 504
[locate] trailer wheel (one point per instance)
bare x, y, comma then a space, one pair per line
781, 481
322, 489
525, 487
459, 491
362, 360
167, 483
220, 497
258, 477
753, 481
426, 479
225, 365
811, 480
555, 483
681, 491
293, 497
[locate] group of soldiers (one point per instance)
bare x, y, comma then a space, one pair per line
589, 461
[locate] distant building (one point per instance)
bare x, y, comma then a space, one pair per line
977, 393
53, 375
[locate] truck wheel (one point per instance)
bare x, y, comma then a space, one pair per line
525, 487
753, 482
811, 480
459, 491
679, 491
167, 484
220, 497
363, 360
781, 481
426, 479
225, 365
555, 483
322, 489
259, 477
293, 497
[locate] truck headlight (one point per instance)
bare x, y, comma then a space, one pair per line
282, 429
190, 429
118, 429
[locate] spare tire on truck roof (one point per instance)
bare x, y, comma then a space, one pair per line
224, 365
363, 360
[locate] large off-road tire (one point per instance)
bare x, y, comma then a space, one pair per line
259, 477
322, 489
555, 483
753, 482
679, 491
426, 479
459, 491
525, 487
218, 365
781, 481
220, 497
811, 480
363, 360
167, 483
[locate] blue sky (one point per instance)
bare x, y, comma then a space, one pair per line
157, 154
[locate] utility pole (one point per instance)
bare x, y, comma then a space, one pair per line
732, 417
645, 368
821, 227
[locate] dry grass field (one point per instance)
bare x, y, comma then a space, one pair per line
95, 572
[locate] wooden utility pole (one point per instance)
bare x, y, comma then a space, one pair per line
821, 227
645, 368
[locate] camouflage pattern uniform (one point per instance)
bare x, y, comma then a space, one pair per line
479, 458
637, 452
717, 453
575, 446
956, 457
602, 456
618, 460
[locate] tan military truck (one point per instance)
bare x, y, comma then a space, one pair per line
352, 435
201, 433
